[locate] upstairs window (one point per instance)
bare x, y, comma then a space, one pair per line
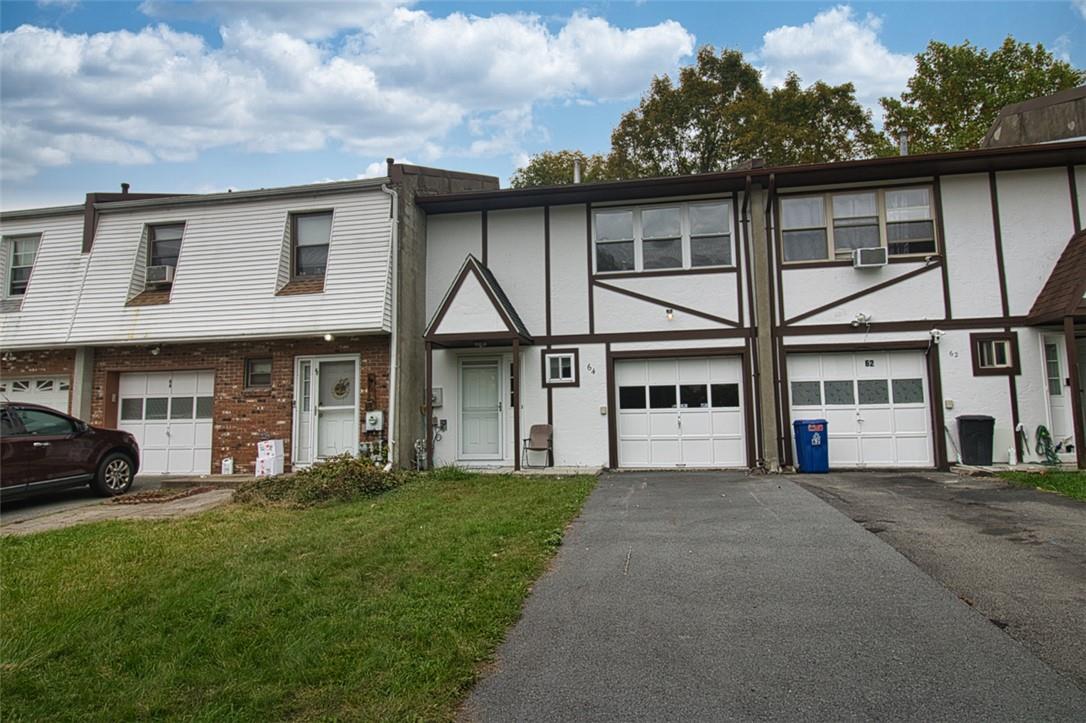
24, 250
614, 241
310, 235
660, 238
164, 244
831, 226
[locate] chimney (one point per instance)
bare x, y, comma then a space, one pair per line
576, 170
124, 189
903, 143
389, 162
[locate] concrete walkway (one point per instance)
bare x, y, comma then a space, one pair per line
716, 597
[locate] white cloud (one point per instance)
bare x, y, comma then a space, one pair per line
399, 81
836, 47
1080, 5
1061, 47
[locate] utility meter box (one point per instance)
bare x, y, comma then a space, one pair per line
375, 421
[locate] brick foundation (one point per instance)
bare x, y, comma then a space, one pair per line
242, 417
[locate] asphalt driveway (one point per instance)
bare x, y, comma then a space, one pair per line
1018, 555
711, 596
20, 511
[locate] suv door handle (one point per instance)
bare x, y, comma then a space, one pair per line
41, 444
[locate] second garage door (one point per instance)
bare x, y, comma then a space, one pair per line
169, 413
680, 412
876, 404
50, 391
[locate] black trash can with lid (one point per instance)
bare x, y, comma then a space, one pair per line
975, 436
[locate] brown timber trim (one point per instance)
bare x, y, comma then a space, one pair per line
912, 325
940, 243
548, 351
1008, 336
1075, 390
588, 258
935, 390
641, 336
697, 271
112, 400
1076, 212
516, 405
997, 232
858, 347
470, 337
469, 267
550, 402
735, 258
748, 409
665, 304
484, 241
1012, 387
547, 264
429, 426
612, 411
864, 292
745, 220
700, 351
872, 186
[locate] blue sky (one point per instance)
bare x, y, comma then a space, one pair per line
204, 96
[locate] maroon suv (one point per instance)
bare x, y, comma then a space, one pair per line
42, 449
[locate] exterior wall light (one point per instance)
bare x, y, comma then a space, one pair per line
329, 337
670, 314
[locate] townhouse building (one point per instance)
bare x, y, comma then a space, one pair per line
206, 323
686, 322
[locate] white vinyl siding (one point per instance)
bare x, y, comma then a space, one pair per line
42, 316
226, 286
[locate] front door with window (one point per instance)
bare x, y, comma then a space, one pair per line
1061, 426
326, 407
480, 409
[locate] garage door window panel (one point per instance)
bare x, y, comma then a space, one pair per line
908, 391
693, 396
631, 398
807, 394
839, 393
156, 408
203, 407
872, 391
662, 397
131, 409
181, 407
725, 396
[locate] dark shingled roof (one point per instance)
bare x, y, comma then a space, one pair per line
1062, 293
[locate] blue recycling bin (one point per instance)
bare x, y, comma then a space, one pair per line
812, 445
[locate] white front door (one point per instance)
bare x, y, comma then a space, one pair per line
1061, 426
680, 412
169, 413
326, 393
876, 405
480, 409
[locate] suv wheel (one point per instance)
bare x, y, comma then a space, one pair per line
114, 475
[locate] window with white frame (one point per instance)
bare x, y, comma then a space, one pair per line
23, 252
311, 234
559, 367
662, 237
833, 225
994, 354
164, 244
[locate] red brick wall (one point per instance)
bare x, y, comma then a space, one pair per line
241, 416
38, 362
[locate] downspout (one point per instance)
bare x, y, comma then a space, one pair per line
393, 356
752, 345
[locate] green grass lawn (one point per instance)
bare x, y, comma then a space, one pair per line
378, 609
1066, 482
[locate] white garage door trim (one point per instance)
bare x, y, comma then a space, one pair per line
170, 415
50, 391
877, 404
680, 412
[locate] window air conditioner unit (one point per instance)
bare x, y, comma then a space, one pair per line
159, 275
869, 258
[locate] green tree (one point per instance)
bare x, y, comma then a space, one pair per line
551, 168
957, 91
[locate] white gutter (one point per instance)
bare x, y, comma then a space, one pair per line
393, 356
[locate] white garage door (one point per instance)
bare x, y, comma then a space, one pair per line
48, 391
680, 412
876, 405
170, 415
